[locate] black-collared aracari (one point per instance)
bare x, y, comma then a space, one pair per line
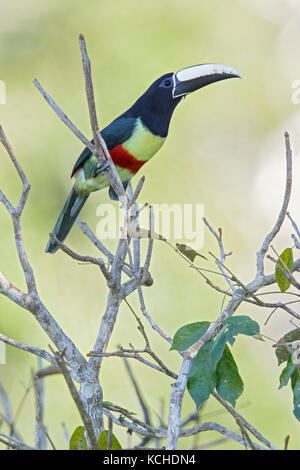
134, 137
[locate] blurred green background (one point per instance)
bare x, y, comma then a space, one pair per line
225, 149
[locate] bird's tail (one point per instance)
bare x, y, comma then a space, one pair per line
66, 219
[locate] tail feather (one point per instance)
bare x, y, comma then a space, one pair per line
66, 219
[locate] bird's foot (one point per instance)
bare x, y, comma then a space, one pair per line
102, 168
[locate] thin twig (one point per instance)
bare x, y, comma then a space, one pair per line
243, 421
40, 441
110, 434
85, 259
288, 188
26, 347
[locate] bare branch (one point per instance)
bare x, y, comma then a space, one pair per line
138, 393
76, 397
138, 189
288, 188
150, 244
51, 370
85, 259
14, 443
102, 248
40, 441
16, 215
150, 320
222, 253
110, 434
177, 392
243, 421
101, 151
130, 354
90, 96
162, 433
297, 241
63, 117
26, 347
8, 413
26, 185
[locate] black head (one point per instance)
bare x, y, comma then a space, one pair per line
155, 107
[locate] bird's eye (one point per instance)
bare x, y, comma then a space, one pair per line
166, 83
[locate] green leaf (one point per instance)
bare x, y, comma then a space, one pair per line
218, 347
296, 392
295, 384
188, 335
284, 261
202, 376
229, 383
292, 373
240, 324
103, 441
282, 352
189, 252
214, 363
78, 440
287, 372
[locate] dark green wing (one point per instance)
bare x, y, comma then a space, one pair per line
114, 134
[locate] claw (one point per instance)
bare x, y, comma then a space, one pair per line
102, 168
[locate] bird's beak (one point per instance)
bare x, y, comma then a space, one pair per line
192, 78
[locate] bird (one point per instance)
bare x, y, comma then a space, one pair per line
134, 138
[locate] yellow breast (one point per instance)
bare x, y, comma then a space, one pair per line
143, 144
